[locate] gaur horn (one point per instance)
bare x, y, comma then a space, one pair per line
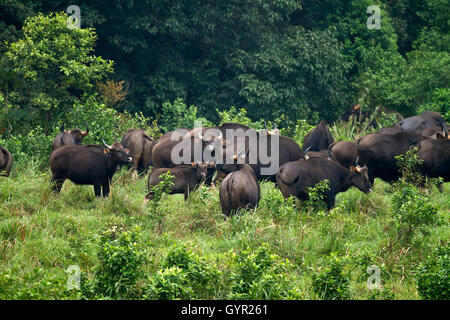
62, 127
265, 125
107, 146
84, 134
356, 162
444, 129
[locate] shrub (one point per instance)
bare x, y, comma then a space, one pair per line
261, 274
177, 115
317, 195
412, 210
120, 259
433, 278
331, 283
169, 284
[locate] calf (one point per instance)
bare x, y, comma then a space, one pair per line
295, 177
87, 165
187, 178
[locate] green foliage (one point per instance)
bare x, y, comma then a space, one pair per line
120, 259
37, 284
317, 196
433, 277
278, 206
331, 282
53, 61
177, 115
261, 274
239, 116
438, 102
183, 274
169, 284
412, 210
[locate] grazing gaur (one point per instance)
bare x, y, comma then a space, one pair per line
6, 161
141, 147
435, 154
240, 188
186, 179
318, 138
87, 165
294, 178
419, 122
344, 152
71, 137
377, 151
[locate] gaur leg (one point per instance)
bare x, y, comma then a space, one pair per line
106, 188
97, 189
331, 200
57, 183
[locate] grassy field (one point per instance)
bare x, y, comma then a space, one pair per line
188, 250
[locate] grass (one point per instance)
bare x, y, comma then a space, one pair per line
42, 234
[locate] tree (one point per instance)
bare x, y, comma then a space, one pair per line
57, 66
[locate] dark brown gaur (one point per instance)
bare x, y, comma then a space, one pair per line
6, 162
186, 179
240, 188
87, 165
141, 148
71, 137
318, 138
294, 178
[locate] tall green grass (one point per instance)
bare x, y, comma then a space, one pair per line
42, 234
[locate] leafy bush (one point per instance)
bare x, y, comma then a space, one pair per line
331, 283
120, 259
177, 115
412, 210
317, 195
169, 284
433, 278
276, 205
196, 275
36, 284
261, 274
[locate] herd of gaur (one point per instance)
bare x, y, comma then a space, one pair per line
343, 163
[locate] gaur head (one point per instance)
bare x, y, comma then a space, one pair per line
202, 168
234, 163
117, 153
76, 134
360, 177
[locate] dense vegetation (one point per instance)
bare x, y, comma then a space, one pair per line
160, 65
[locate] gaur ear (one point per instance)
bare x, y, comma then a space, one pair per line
127, 150
352, 169
105, 151
358, 169
193, 163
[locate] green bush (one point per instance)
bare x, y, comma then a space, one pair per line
177, 115
412, 210
120, 259
169, 284
331, 283
261, 274
433, 278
